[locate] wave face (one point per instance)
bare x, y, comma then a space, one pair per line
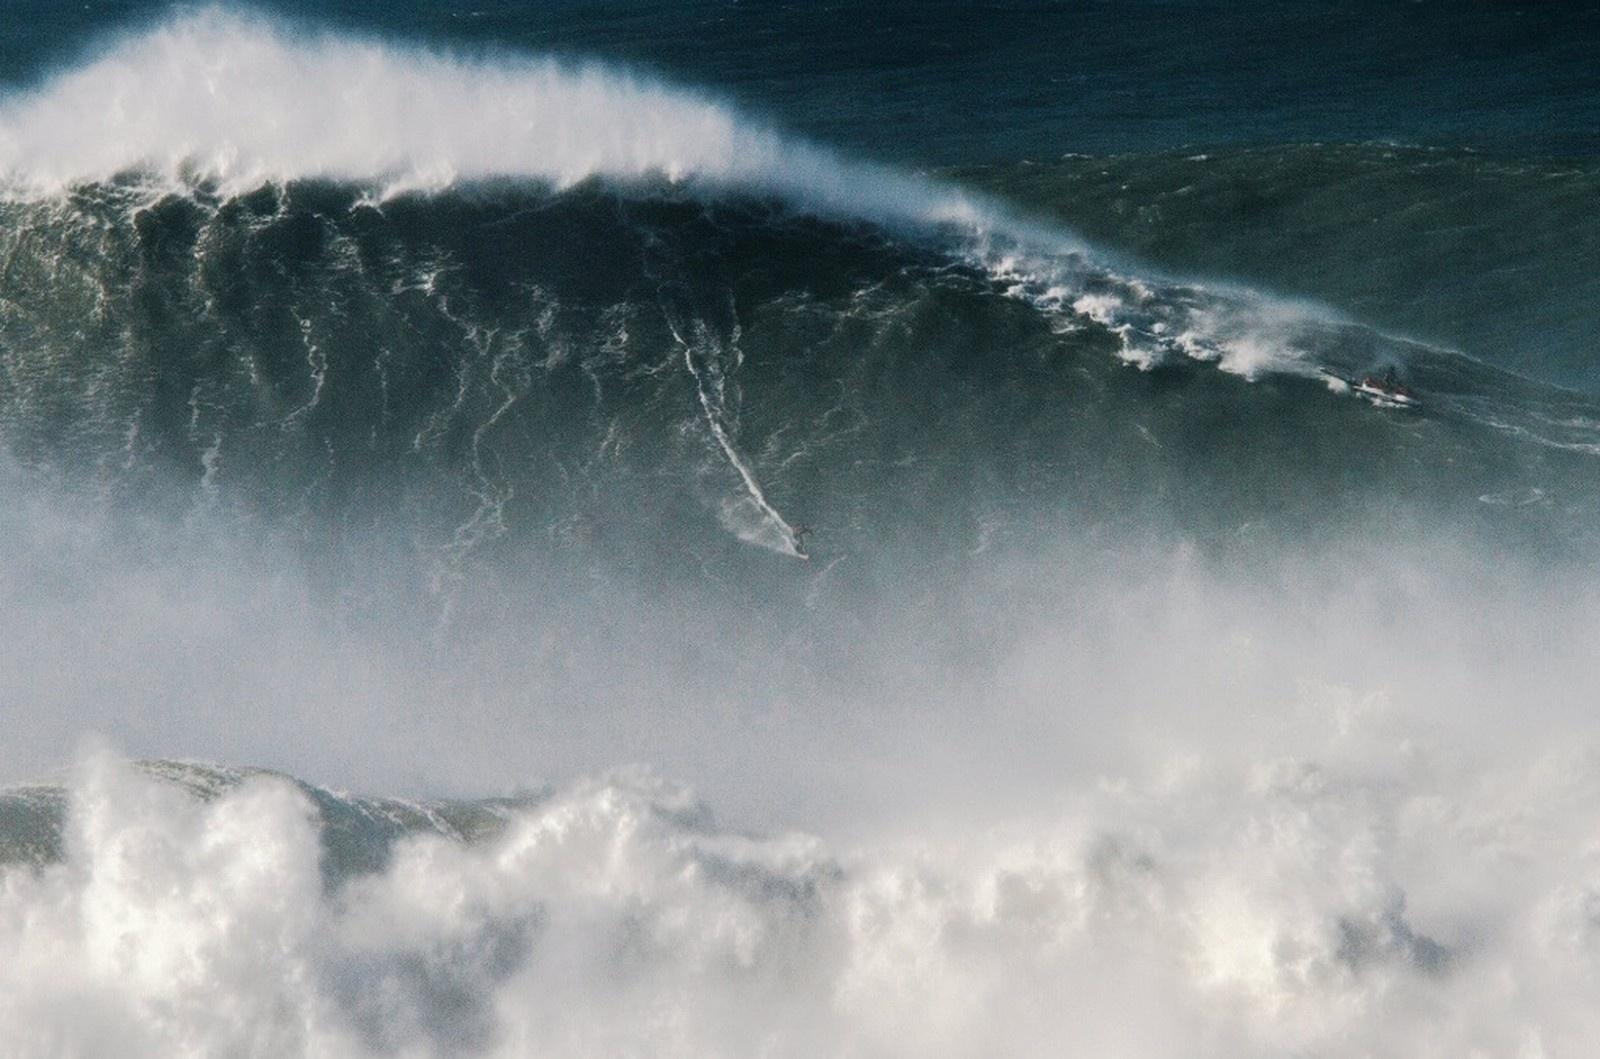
1073, 659
501, 365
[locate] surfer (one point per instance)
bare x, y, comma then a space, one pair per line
799, 535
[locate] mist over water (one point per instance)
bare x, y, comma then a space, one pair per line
775, 603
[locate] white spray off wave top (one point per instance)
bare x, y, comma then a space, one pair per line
237, 101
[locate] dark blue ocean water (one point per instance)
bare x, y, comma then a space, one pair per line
937, 83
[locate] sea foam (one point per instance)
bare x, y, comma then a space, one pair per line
1291, 908
239, 101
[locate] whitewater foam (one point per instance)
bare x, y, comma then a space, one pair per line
1295, 906
236, 101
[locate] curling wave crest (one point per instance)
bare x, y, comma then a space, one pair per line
238, 101
231, 103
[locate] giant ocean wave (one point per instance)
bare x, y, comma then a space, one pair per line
599, 267
436, 422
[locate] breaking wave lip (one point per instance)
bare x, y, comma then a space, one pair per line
236, 101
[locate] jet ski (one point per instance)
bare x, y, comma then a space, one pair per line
1383, 391
1387, 391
